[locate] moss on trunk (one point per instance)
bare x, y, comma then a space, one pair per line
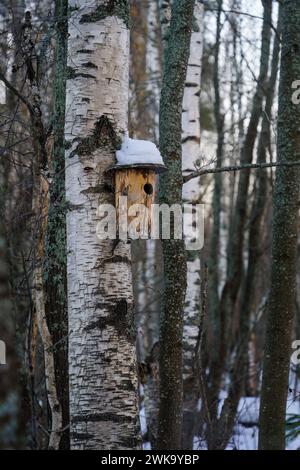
174, 255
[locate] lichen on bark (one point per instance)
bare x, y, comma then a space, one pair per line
174, 254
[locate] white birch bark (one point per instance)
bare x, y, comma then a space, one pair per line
191, 190
103, 381
190, 154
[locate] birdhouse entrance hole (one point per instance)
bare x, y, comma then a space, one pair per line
148, 188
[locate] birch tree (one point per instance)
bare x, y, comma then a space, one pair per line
190, 193
103, 381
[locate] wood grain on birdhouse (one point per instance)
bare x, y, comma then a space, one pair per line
138, 185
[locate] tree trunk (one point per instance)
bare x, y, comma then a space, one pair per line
140, 115
190, 194
103, 380
214, 251
276, 364
175, 68
41, 143
56, 262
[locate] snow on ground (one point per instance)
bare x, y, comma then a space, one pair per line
246, 430
245, 434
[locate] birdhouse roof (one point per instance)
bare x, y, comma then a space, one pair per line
138, 152
157, 168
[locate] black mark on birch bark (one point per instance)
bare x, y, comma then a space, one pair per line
117, 8
71, 74
120, 317
96, 417
103, 135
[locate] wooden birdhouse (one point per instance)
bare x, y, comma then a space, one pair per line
135, 181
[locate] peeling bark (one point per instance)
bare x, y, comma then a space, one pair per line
40, 205
40, 210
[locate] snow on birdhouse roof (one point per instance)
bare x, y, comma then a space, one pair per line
138, 152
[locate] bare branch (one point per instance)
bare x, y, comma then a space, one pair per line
239, 12
252, 166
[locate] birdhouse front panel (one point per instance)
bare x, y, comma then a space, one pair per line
138, 185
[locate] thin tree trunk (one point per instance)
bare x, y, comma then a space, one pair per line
174, 255
190, 194
214, 252
281, 307
140, 116
102, 357
40, 205
55, 252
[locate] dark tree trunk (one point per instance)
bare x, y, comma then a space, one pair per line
284, 244
55, 265
174, 255
213, 262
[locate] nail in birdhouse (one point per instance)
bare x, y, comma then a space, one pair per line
138, 163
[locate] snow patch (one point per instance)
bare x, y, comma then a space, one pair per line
138, 152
